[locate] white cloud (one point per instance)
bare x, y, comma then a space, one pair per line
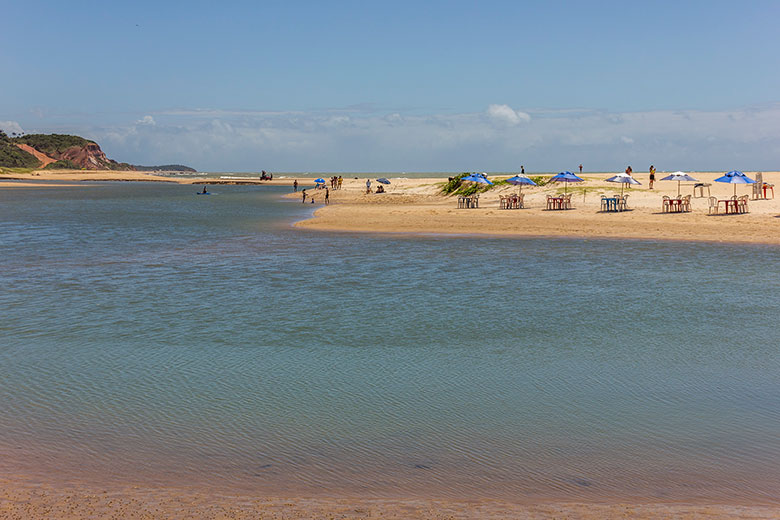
10, 127
505, 114
146, 120
492, 140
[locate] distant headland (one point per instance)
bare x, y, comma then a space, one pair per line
64, 152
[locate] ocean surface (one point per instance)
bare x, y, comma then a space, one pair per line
152, 336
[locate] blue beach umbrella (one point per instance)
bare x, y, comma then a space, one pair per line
383, 180
479, 178
520, 180
319, 181
735, 177
679, 176
566, 178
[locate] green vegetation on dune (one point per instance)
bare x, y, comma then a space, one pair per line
456, 186
12, 156
541, 180
119, 166
61, 165
11, 171
52, 144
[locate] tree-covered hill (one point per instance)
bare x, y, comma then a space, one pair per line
12, 156
52, 144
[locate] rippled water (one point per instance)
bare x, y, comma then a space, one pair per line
148, 334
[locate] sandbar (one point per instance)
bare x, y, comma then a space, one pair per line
417, 206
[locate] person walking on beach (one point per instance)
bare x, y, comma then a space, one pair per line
652, 176
580, 168
303, 199
327, 196
368, 186
295, 185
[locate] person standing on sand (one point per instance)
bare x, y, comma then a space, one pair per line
522, 170
580, 168
340, 181
303, 199
368, 186
327, 196
652, 176
295, 185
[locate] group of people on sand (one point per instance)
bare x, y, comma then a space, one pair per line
335, 182
311, 197
266, 176
379, 188
630, 171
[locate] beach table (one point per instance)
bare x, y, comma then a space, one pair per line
555, 203
470, 202
510, 202
611, 204
700, 186
676, 205
730, 203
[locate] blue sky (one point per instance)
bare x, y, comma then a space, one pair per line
400, 86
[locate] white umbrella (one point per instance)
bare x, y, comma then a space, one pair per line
679, 176
623, 179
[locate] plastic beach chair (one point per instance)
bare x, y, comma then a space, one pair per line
713, 206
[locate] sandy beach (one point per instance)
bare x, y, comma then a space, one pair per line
417, 206
21, 501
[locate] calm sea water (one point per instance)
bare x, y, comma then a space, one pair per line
151, 335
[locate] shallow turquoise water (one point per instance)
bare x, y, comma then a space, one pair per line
152, 335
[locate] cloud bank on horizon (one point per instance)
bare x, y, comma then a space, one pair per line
501, 138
